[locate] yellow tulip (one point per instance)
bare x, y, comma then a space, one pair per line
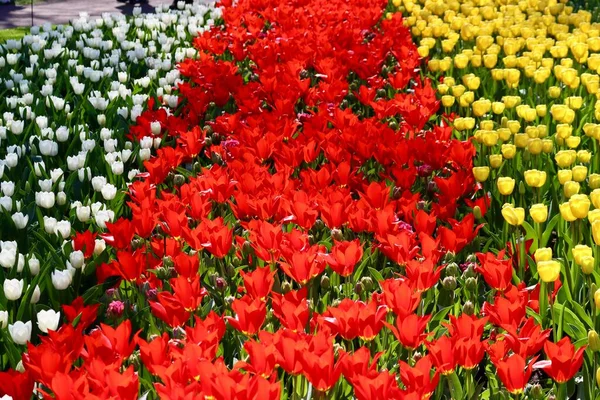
584, 156
579, 173
506, 185
423, 51
535, 146
596, 232
481, 173
595, 196
587, 265
563, 131
532, 131
512, 76
570, 188
580, 251
580, 205
535, 178
513, 215
565, 212
504, 134
543, 130
511, 101
580, 52
487, 125
497, 74
594, 182
547, 146
521, 140
471, 81
539, 213
461, 61
541, 110
489, 138
498, 107
508, 150
564, 176
542, 254
490, 60
495, 160
573, 141
574, 102
565, 158
554, 92
549, 271
458, 90
448, 101
481, 107
513, 126
466, 99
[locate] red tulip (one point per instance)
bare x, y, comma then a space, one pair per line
249, 315
565, 360
344, 256
258, 283
514, 372
410, 330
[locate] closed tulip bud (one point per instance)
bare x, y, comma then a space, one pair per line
513, 215
325, 282
539, 213
367, 283
570, 188
471, 284
495, 160
522, 186
449, 283
481, 173
535, 178
542, 254
565, 212
594, 182
549, 271
506, 185
580, 205
597, 299
598, 376
593, 340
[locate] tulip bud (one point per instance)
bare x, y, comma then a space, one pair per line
471, 284
359, 288
477, 213
597, 299
468, 308
324, 282
336, 234
598, 376
367, 283
452, 269
594, 181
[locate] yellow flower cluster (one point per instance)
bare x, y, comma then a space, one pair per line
523, 78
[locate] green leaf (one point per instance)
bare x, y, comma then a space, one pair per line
549, 228
376, 274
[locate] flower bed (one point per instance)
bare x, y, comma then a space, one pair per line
317, 224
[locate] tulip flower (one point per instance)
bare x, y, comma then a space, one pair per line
535, 178
20, 332
3, 319
48, 320
549, 271
13, 288
579, 205
506, 185
513, 215
481, 173
514, 372
565, 360
539, 213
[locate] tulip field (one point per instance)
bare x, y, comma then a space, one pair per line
303, 199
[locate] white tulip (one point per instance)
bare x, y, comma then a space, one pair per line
50, 225
16, 127
117, 168
61, 198
6, 203
99, 246
77, 259
8, 188
3, 319
63, 229
62, 134
11, 160
48, 320
13, 288
20, 220
34, 265
61, 279
98, 182
146, 142
8, 257
35, 296
109, 191
155, 127
56, 174
104, 216
48, 148
45, 185
45, 199
41, 122
20, 263
83, 213
145, 154
20, 332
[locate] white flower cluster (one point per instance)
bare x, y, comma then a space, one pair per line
68, 96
